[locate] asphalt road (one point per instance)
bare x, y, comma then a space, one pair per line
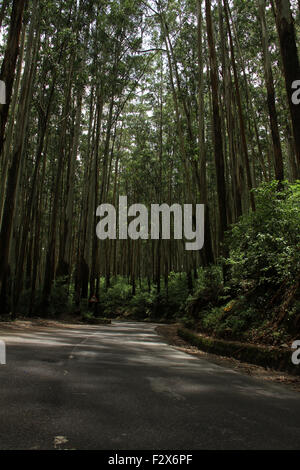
120, 386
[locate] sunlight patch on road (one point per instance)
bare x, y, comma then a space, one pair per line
163, 385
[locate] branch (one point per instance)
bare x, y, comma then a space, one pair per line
152, 50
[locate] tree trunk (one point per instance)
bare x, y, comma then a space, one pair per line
218, 140
278, 161
209, 258
291, 67
8, 68
240, 109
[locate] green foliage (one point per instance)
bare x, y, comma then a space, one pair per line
113, 300
208, 289
264, 269
118, 300
211, 320
142, 304
264, 245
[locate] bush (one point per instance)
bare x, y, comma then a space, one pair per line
119, 301
141, 305
261, 297
208, 292
114, 300
264, 245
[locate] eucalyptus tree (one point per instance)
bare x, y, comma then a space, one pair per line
8, 67
290, 60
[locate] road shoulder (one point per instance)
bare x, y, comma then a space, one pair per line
170, 334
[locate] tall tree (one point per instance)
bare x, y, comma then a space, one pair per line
291, 67
218, 138
278, 159
8, 68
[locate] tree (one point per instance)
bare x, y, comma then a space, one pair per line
8, 68
278, 160
218, 139
290, 60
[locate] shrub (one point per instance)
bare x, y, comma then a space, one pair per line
264, 245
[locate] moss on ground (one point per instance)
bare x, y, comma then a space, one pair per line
269, 357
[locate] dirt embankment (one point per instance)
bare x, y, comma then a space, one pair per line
172, 333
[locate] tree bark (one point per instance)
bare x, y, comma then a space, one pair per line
218, 139
8, 68
291, 67
278, 160
240, 109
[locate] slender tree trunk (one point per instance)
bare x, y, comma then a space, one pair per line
51, 250
291, 67
14, 171
278, 161
10, 130
218, 140
209, 258
8, 68
240, 109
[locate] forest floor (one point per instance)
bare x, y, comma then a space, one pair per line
170, 333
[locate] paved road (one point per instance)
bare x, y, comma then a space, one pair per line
122, 387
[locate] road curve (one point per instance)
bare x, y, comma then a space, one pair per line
120, 387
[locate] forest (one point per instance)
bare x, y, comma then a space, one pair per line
192, 102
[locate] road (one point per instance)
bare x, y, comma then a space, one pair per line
120, 387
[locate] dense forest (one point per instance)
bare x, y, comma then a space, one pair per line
165, 102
